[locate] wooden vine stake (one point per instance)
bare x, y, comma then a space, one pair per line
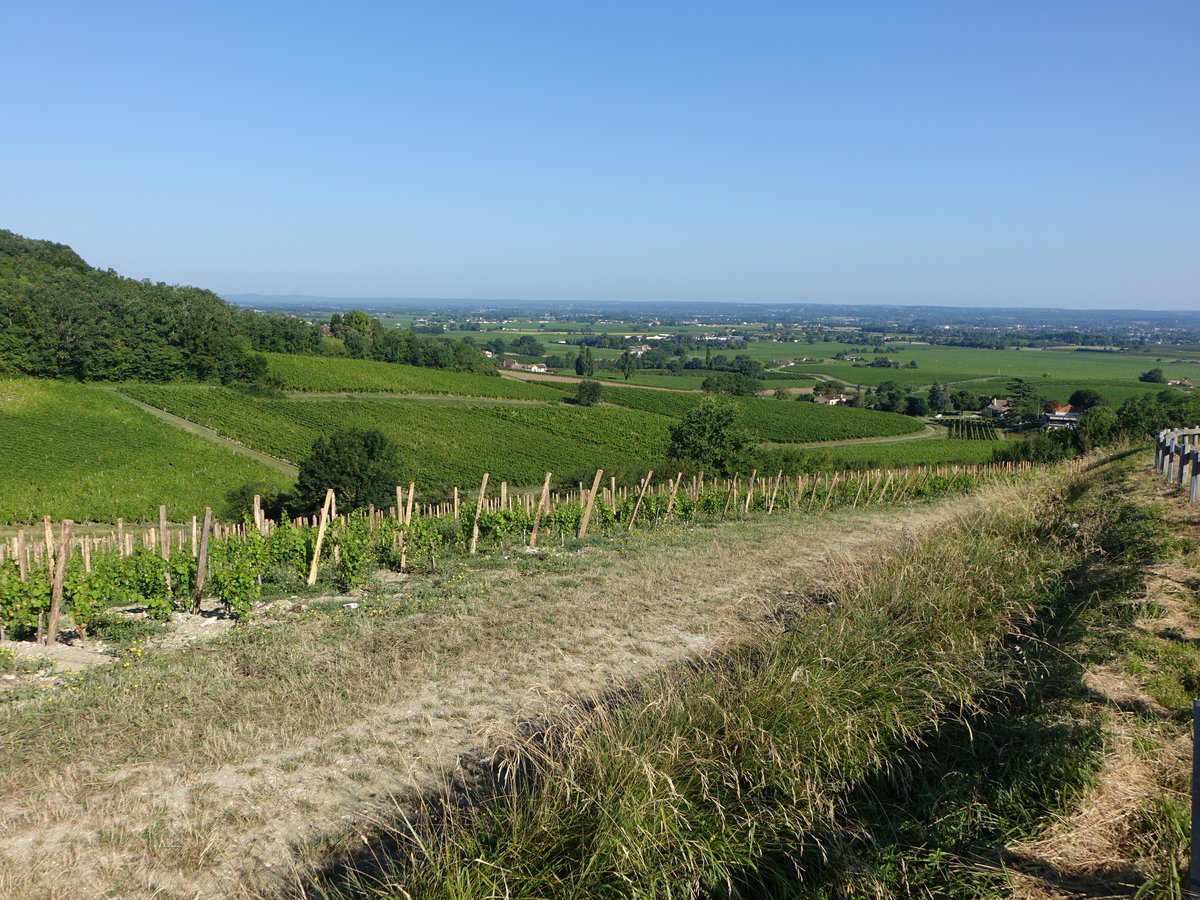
638, 503
56, 582
774, 492
832, 488
733, 489
750, 493
412, 490
674, 491
813, 496
478, 512
541, 508
202, 561
49, 548
326, 509
164, 536
862, 481
587, 512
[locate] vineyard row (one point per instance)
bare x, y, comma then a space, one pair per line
172, 567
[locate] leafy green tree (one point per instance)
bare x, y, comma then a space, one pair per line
362, 467
580, 365
1025, 403
1098, 425
528, 345
1087, 398
732, 383
627, 364
939, 397
588, 393
1040, 447
916, 406
709, 435
1153, 376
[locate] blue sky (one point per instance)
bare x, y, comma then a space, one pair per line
961, 153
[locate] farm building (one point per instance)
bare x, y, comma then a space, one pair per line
515, 366
1061, 417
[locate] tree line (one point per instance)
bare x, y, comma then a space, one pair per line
62, 318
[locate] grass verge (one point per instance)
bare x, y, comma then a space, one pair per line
923, 721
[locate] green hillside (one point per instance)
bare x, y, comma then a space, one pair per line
64, 318
81, 452
342, 375
776, 420
441, 444
454, 441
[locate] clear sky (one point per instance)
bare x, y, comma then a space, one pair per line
987, 152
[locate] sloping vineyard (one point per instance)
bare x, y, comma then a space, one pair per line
71, 450
439, 445
336, 374
776, 420
972, 430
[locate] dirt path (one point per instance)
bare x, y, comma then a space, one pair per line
520, 644
209, 434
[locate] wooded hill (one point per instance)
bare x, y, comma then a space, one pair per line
62, 318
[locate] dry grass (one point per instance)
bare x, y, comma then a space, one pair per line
193, 771
1126, 839
728, 778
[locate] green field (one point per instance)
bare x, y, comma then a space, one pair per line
339, 374
1115, 392
781, 421
440, 444
1056, 368
952, 364
453, 442
83, 453
896, 454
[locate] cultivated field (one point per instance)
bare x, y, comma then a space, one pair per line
453, 441
81, 452
935, 451
440, 443
953, 364
317, 373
